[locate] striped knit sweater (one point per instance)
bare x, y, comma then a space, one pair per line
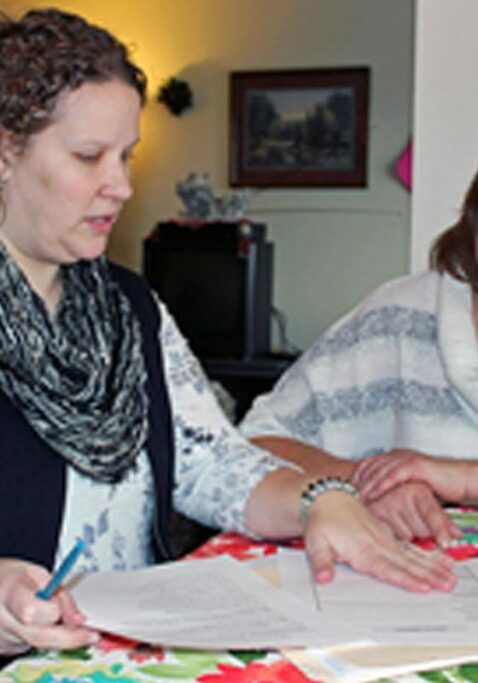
400, 370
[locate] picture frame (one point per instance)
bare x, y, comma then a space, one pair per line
299, 128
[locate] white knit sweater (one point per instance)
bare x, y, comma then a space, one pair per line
400, 370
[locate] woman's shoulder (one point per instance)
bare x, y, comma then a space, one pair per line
410, 291
402, 303
138, 291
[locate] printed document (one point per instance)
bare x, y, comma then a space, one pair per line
215, 603
397, 627
374, 610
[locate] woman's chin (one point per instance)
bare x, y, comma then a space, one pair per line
92, 250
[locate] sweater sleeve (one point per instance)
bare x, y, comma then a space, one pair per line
216, 467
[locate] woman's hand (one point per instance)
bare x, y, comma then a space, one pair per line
27, 621
341, 529
412, 510
451, 480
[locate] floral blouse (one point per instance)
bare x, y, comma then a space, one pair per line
215, 471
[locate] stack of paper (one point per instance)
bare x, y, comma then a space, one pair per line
354, 629
397, 632
212, 604
370, 662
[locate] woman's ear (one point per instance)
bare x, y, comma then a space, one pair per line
8, 154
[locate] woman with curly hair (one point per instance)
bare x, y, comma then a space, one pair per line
106, 417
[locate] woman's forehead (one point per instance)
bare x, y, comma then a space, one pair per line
96, 109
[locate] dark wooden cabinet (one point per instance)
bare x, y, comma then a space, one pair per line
245, 379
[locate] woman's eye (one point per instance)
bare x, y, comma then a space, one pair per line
126, 157
88, 158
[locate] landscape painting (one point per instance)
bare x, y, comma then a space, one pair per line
299, 128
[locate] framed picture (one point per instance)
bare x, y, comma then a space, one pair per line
304, 128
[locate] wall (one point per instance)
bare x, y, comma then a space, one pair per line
446, 134
332, 246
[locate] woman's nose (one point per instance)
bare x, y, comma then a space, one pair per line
118, 184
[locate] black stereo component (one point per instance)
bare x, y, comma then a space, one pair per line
216, 279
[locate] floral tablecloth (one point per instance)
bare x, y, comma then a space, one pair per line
117, 660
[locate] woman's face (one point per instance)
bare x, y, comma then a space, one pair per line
65, 191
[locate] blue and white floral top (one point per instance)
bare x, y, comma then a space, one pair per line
216, 469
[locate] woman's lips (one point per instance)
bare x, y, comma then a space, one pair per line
102, 223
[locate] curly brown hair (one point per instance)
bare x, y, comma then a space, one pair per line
454, 251
49, 51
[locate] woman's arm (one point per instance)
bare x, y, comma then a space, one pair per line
223, 480
216, 467
410, 509
311, 459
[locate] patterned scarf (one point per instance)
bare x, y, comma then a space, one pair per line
78, 379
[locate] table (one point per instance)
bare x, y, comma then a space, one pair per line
117, 660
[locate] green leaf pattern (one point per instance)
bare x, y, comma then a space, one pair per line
81, 666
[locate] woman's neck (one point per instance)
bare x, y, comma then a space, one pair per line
43, 278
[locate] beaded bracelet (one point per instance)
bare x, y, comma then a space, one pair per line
315, 488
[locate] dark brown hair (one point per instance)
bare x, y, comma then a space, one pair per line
454, 251
49, 51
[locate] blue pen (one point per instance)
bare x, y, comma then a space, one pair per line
62, 571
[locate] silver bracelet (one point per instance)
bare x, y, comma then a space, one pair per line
315, 488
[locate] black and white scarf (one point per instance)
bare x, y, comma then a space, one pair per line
79, 379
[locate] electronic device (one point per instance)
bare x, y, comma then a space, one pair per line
216, 279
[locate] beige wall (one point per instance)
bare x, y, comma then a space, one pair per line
446, 134
332, 246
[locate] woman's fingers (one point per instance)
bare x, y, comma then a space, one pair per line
321, 557
412, 510
70, 614
341, 529
57, 636
27, 608
405, 565
44, 628
395, 519
368, 473
437, 523
377, 475
404, 569
26, 620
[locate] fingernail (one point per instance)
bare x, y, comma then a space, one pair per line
324, 575
93, 637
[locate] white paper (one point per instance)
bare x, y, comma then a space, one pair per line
370, 607
391, 615
295, 576
376, 611
215, 603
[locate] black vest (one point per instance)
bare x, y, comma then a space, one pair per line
32, 475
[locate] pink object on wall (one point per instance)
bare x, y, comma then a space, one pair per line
403, 167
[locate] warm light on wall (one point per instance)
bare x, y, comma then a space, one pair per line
123, 19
